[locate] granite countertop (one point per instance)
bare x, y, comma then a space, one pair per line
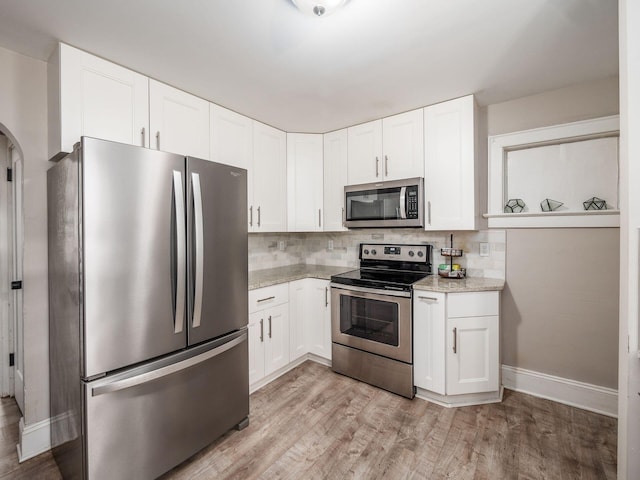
435, 283
273, 276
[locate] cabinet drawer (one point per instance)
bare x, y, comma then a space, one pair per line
473, 304
268, 297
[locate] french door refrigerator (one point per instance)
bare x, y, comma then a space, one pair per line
148, 308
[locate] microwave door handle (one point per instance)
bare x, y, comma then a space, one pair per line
403, 202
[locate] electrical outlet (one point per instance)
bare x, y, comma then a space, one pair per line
330, 245
484, 249
281, 245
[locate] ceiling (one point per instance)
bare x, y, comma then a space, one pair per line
373, 58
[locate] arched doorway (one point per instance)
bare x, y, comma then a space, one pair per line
11, 260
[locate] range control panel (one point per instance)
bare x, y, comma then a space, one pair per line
398, 253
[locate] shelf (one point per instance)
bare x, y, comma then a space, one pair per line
564, 219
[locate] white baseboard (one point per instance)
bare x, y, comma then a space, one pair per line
33, 439
562, 390
290, 366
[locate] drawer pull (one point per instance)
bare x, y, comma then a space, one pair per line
431, 299
265, 299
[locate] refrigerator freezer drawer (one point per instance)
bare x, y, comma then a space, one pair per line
143, 423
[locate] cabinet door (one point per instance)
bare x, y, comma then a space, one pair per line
97, 99
365, 153
179, 121
276, 330
304, 182
231, 133
318, 314
472, 355
256, 346
449, 171
269, 207
403, 145
335, 178
298, 311
429, 324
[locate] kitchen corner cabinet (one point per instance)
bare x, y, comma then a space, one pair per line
91, 96
267, 184
335, 178
310, 318
388, 149
304, 182
268, 331
456, 343
178, 121
451, 166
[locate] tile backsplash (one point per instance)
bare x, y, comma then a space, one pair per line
268, 250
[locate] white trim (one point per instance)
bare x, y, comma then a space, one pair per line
590, 218
464, 400
289, 366
33, 439
562, 390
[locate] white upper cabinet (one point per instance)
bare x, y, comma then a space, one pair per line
231, 137
451, 169
304, 182
403, 145
179, 121
365, 153
91, 96
268, 206
335, 178
387, 149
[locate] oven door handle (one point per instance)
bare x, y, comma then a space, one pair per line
403, 202
376, 291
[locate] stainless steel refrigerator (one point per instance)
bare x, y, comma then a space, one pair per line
148, 308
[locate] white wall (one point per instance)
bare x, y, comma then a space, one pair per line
23, 117
629, 366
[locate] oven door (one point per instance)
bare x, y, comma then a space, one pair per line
376, 321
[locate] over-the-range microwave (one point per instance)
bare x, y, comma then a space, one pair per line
394, 204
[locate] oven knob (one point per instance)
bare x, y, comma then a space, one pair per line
420, 254
366, 252
411, 254
373, 252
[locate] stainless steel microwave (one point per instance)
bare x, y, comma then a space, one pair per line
394, 204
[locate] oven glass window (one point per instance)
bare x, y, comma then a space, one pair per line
374, 320
381, 204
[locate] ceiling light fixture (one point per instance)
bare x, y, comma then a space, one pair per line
318, 8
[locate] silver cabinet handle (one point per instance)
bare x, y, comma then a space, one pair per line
269, 326
429, 212
142, 131
251, 216
181, 252
326, 296
258, 216
343, 217
431, 299
386, 166
199, 254
320, 217
261, 330
377, 162
267, 298
455, 340
158, 140
168, 370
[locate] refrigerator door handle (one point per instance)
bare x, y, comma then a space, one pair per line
181, 252
199, 254
166, 371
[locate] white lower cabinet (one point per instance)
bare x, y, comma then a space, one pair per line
310, 318
268, 331
456, 342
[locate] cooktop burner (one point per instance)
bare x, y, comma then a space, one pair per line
390, 267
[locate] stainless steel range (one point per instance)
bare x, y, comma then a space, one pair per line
371, 315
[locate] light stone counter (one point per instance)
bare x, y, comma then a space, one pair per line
435, 283
273, 276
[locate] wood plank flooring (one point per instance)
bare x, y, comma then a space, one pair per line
314, 424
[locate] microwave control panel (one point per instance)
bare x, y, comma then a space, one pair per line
412, 202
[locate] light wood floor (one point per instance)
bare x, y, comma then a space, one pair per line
312, 423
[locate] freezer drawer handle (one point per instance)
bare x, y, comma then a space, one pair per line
199, 256
166, 371
181, 247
